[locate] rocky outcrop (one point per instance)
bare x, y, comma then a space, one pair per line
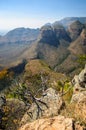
48, 36
79, 96
75, 29
53, 34
60, 32
79, 81
50, 105
54, 123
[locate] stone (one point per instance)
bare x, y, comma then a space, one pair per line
78, 96
53, 105
79, 81
54, 123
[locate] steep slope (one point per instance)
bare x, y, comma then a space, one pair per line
79, 45
52, 44
76, 48
58, 46
75, 29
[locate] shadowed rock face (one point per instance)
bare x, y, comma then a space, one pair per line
55, 123
48, 36
53, 34
60, 32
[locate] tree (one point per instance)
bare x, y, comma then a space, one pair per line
25, 93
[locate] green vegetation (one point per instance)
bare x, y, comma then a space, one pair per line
66, 90
26, 88
82, 60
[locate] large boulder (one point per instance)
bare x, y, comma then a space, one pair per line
50, 105
54, 123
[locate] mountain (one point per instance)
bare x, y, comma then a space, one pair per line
58, 46
14, 43
52, 44
79, 44
75, 29
20, 35
76, 48
69, 20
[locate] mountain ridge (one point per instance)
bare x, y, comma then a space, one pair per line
55, 44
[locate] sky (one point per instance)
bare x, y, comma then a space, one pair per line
35, 13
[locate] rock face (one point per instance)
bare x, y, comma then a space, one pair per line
55, 123
79, 81
53, 34
75, 29
79, 96
60, 32
48, 36
53, 104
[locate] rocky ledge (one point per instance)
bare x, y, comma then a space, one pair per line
50, 118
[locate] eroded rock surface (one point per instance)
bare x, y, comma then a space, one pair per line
79, 82
54, 123
53, 105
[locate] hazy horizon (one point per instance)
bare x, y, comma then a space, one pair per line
36, 13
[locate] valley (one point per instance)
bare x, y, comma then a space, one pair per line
43, 77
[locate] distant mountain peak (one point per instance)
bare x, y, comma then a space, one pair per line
75, 29
76, 24
19, 35
46, 27
69, 20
